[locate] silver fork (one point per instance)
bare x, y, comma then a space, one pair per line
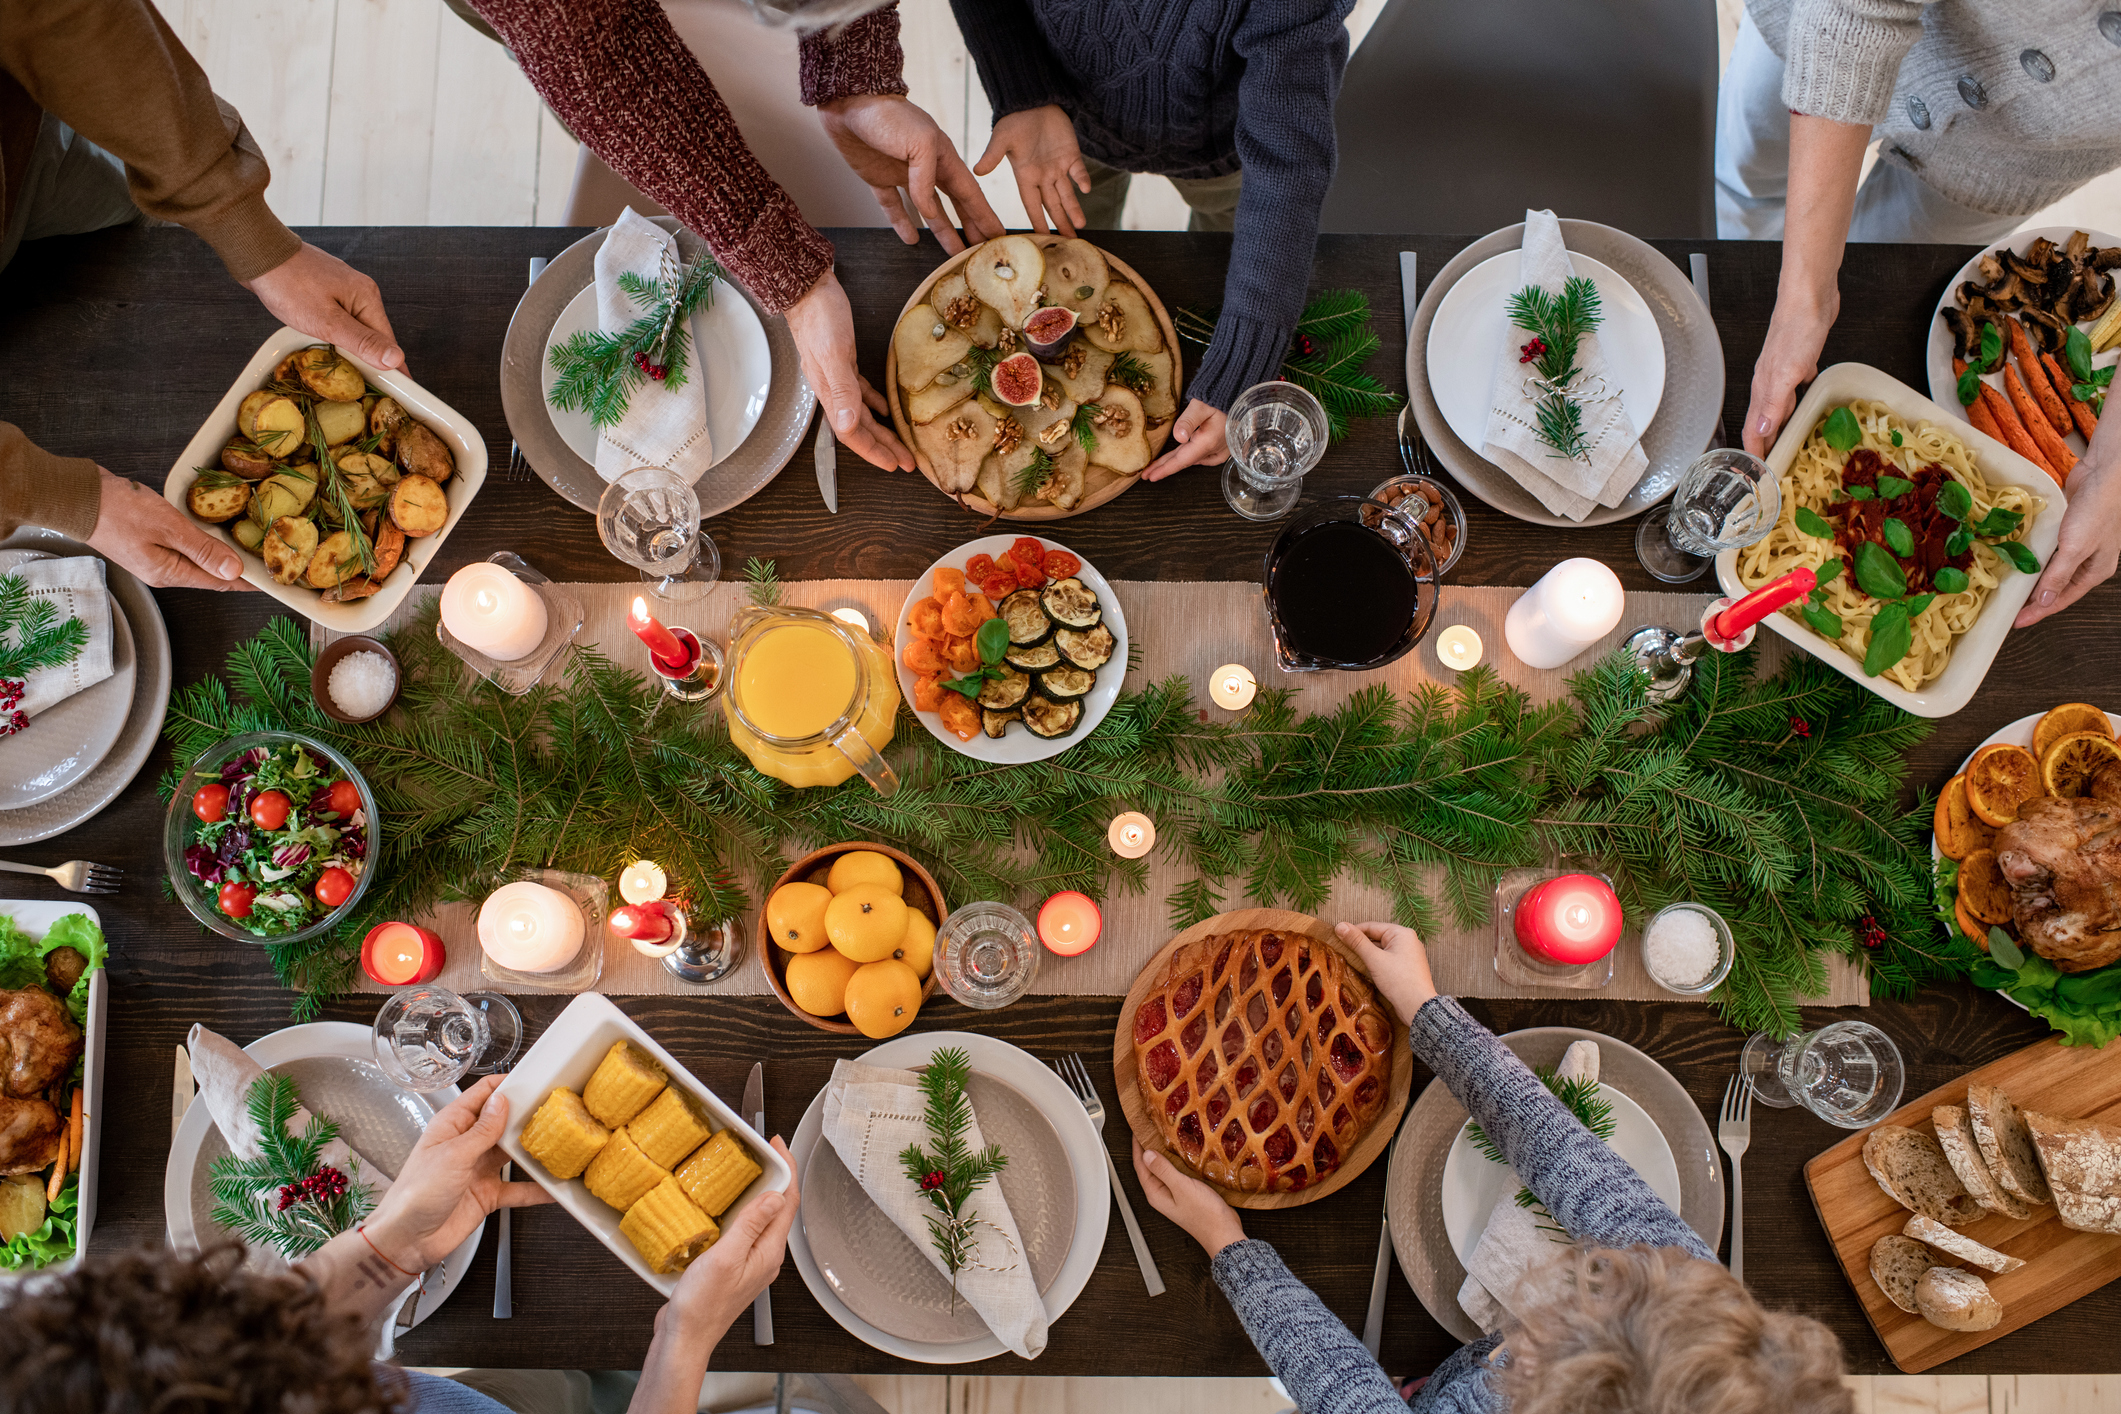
77, 875
1077, 1075
518, 464
1734, 1132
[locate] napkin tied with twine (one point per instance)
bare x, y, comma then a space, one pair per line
75, 585
663, 426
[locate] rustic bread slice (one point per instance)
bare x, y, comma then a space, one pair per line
1955, 1133
1956, 1300
1897, 1263
2006, 1146
1911, 1167
1958, 1244
2082, 1161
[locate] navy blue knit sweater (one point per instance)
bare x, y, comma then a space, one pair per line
1194, 88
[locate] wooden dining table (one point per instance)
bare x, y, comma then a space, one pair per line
118, 345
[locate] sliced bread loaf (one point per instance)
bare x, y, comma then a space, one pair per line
1956, 1300
1897, 1263
2006, 1146
2082, 1161
1911, 1167
1958, 1244
1955, 1133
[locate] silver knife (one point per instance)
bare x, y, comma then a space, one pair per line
180, 1092
755, 1086
827, 453
504, 1296
1373, 1323
1407, 300
1698, 266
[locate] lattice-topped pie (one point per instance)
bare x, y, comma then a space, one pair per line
1264, 1057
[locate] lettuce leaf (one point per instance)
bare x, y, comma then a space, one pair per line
21, 965
22, 957
53, 1242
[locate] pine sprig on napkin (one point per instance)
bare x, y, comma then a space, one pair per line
951, 1170
284, 1199
1557, 323
599, 371
31, 636
1578, 1094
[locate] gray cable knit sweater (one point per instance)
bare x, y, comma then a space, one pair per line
1194, 88
1590, 1189
2001, 106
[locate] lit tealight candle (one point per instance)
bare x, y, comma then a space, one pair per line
1069, 923
401, 954
1577, 603
853, 618
643, 881
527, 927
490, 611
1233, 686
1573, 919
1131, 835
1458, 648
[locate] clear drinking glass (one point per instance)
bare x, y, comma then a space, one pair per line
986, 954
1727, 500
1849, 1074
428, 1038
650, 518
1276, 433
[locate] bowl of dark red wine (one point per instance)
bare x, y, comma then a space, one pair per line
1351, 586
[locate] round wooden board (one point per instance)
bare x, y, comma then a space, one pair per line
1373, 1143
1092, 498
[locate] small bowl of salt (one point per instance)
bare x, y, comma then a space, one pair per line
1688, 948
355, 679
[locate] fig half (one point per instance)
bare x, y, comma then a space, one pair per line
1018, 381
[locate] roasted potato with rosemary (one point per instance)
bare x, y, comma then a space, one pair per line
418, 507
247, 460
326, 373
368, 479
218, 495
280, 427
384, 420
340, 422
249, 534
288, 547
361, 586
389, 542
247, 411
422, 453
336, 559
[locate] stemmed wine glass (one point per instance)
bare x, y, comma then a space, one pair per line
1849, 1074
428, 1038
650, 518
1728, 499
1276, 433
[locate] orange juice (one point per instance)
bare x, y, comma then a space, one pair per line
810, 701
797, 681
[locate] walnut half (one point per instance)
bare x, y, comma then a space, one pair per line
960, 430
1010, 341
962, 311
1008, 435
1110, 419
1054, 433
1113, 322
1073, 360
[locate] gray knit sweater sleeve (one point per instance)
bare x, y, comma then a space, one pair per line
1843, 56
1311, 1351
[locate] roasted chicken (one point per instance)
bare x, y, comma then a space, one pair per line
30, 1135
39, 1040
2063, 861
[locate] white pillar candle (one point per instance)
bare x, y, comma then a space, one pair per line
1458, 648
1233, 686
528, 927
1576, 604
486, 608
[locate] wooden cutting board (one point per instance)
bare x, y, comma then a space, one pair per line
2060, 1265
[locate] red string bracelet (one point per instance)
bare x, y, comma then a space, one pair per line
363, 1230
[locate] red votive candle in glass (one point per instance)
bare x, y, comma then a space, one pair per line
1571, 920
1765, 600
670, 653
401, 955
1069, 923
642, 922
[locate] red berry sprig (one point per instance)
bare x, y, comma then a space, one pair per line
932, 1181
1799, 726
1533, 351
321, 1187
12, 718
656, 371
1870, 933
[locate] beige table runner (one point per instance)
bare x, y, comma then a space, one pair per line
1176, 628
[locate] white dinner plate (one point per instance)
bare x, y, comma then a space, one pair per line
1019, 745
1470, 328
35, 917
1086, 1162
728, 351
334, 1064
69, 739
1473, 1183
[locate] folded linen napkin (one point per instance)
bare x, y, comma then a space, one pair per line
1566, 486
224, 1074
871, 1114
75, 587
663, 426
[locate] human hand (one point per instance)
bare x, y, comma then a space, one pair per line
1398, 963
891, 143
2091, 538
1204, 1214
823, 327
325, 298
724, 1280
1201, 435
1048, 166
450, 1182
159, 543
1788, 359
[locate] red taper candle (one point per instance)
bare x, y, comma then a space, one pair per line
1764, 601
642, 922
662, 643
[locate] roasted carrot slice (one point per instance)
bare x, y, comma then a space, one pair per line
2087, 421
947, 582
2052, 450
981, 605
960, 620
926, 618
924, 658
2035, 376
962, 654
960, 717
928, 694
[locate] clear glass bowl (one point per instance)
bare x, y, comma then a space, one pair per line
1399, 491
180, 825
1726, 949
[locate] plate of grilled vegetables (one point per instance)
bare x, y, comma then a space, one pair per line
1011, 649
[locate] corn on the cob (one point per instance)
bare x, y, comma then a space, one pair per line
621, 1173
717, 1172
563, 1136
673, 1125
625, 1081
667, 1229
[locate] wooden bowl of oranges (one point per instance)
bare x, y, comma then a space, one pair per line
847, 937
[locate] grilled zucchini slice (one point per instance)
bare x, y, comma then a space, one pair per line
1027, 620
1090, 648
1066, 684
1006, 691
995, 724
1072, 604
1043, 717
1037, 658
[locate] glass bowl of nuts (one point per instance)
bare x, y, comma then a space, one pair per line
1430, 504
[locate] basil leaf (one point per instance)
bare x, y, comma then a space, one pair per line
1824, 621
1991, 346
1950, 581
1862, 493
1896, 440
1898, 536
1843, 432
1917, 603
992, 640
1999, 522
969, 685
2020, 555
1812, 523
2083, 392
2003, 950
1969, 386
1879, 575
1955, 500
1828, 572
2077, 352
1891, 636
1890, 487
1959, 541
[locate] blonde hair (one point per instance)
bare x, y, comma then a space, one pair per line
1655, 1331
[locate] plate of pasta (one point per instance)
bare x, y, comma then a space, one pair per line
1926, 534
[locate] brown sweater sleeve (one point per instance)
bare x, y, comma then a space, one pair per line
616, 73
861, 56
117, 74
37, 488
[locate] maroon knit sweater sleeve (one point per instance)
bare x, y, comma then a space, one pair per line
616, 73
861, 56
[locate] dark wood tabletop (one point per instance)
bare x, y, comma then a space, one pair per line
118, 345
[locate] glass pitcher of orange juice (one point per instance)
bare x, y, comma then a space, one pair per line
810, 700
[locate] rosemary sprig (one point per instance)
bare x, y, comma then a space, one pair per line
340, 500
213, 478
950, 1170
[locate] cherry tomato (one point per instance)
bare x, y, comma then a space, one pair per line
333, 886
979, 567
1062, 565
1028, 549
345, 799
269, 810
236, 899
210, 803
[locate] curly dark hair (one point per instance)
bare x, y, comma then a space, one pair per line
150, 1331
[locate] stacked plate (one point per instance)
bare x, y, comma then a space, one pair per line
1659, 339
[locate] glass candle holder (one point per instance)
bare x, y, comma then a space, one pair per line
702, 677
589, 894
986, 955
1555, 928
563, 620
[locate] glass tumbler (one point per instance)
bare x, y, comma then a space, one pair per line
650, 518
1276, 433
429, 1038
1728, 499
987, 955
1849, 1074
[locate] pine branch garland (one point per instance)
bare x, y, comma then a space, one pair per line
1334, 338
